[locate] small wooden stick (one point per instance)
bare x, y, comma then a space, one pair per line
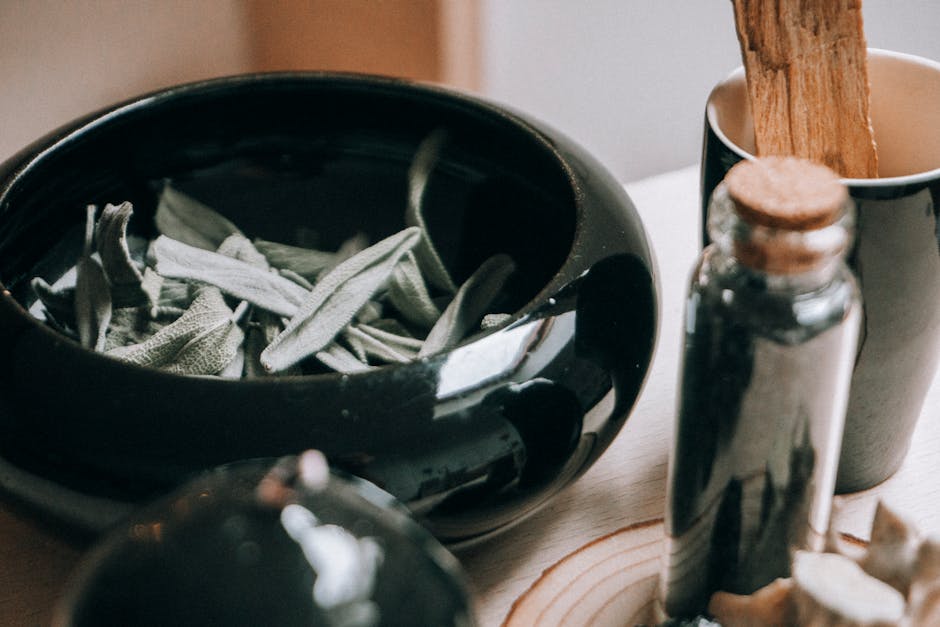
807, 75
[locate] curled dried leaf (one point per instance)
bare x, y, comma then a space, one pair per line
409, 294
184, 218
339, 359
392, 334
494, 320
372, 347
59, 303
336, 299
426, 157
123, 275
290, 275
92, 293
306, 262
242, 280
472, 300
237, 246
203, 341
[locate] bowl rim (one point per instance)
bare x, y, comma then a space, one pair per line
22, 163
736, 76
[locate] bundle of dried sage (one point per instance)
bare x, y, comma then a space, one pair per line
204, 299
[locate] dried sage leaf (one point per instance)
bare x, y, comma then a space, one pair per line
59, 303
235, 367
264, 289
123, 275
351, 247
493, 320
133, 325
335, 299
237, 246
409, 294
202, 341
174, 296
426, 157
376, 348
370, 312
472, 300
356, 347
296, 278
306, 262
339, 359
400, 341
184, 218
261, 331
92, 293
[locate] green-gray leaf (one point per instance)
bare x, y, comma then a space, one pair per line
202, 341
186, 219
264, 289
290, 275
237, 246
59, 303
92, 293
376, 348
123, 275
133, 325
419, 173
493, 320
335, 299
261, 331
306, 262
235, 367
408, 292
339, 359
472, 300
400, 341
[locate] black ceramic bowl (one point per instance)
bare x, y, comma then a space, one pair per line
215, 553
471, 439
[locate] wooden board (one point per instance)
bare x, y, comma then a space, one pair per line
611, 581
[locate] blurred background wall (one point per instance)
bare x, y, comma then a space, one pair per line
626, 78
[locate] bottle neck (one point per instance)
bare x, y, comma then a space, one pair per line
783, 258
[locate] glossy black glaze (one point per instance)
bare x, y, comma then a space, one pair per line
213, 554
896, 260
471, 439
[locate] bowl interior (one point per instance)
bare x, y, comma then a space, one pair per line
292, 158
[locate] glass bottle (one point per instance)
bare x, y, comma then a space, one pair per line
771, 327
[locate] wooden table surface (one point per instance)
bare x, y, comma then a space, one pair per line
626, 485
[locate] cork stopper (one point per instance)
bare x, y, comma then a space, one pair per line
786, 193
788, 203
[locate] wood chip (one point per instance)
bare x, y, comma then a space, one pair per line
831, 589
807, 75
771, 606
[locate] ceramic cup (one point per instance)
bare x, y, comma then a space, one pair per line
896, 256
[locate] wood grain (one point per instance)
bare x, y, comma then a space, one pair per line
806, 66
609, 582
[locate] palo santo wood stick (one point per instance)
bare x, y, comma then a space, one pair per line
807, 81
